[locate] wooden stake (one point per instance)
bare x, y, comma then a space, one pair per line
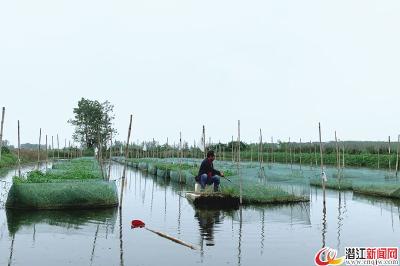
19, 152
238, 163
126, 148
58, 148
1, 129
322, 161
290, 155
233, 157
47, 154
310, 155
390, 168
40, 138
204, 141
52, 146
180, 159
109, 166
397, 157
378, 156
337, 155
300, 153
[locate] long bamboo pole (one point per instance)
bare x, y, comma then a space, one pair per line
1, 129
300, 153
40, 138
238, 163
204, 141
47, 154
322, 162
390, 168
397, 156
337, 154
126, 148
52, 146
58, 147
109, 166
19, 151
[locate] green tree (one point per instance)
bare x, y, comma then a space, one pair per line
93, 122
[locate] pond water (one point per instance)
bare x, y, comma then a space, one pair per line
252, 235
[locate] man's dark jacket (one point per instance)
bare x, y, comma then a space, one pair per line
207, 167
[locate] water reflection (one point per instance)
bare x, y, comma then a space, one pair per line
68, 219
207, 219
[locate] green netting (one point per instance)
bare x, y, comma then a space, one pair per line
63, 195
143, 166
276, 185
152, 169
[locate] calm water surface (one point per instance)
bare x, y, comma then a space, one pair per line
259, 235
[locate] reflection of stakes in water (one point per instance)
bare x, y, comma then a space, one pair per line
152, 197
340, 220
324, 224
144, 191
11, 250
179, 214
121, 243
94, 244
34, 234
262, 231
240, 237
165, 202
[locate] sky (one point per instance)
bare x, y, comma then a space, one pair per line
282, 66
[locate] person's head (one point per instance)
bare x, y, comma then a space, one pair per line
210, 155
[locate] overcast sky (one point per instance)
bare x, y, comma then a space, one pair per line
282, 66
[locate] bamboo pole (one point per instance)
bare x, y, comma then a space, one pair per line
322, 162
47, 154
233, 157
58, 148
1, 129
272, 150
290, 155
378, 156
343, 157
300, 153
261, 153
315, 155
337, 155
204, 141
126, 148
19, 152
397, 156
310, 155
390, 168
238, 163
180, 157
40, 138
109, 166
65, 148
52, 146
